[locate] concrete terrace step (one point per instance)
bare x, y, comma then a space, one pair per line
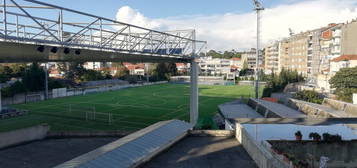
134, 149
237, 109
266, 108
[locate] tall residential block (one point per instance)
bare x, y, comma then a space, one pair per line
272, 58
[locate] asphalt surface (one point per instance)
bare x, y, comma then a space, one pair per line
49, 152
203, 152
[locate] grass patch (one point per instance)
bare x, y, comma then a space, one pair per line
132, 108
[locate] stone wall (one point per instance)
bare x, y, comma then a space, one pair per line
349, 108
308, 109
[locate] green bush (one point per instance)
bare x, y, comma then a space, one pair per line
206, 123
16, 88
345, 83
267, 92
54, 84
277, 83
309, 96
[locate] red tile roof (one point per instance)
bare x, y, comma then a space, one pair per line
236, 59
234, 67
180, 64
345, 58
133, 66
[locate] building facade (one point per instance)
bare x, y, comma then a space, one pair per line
349, 38
249, 57
214, 66
298, 52
272, 58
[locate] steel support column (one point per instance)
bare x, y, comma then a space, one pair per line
4, 19
46, 80
194, 85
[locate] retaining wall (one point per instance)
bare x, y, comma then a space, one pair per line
213, 133
39, 96
23, 135
262, 157
250, 83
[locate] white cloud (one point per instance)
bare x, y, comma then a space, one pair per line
237, 31
128, 15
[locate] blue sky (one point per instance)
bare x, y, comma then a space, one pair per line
165, 8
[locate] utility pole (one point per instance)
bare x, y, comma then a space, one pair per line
258, 8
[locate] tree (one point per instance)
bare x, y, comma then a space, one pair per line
277, 83
5, 73
106, 73
122, 71
225, 54
34, 78
345, 83
164, 71
92, 75
72, 70
18, 70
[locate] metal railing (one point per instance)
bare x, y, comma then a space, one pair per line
35, 22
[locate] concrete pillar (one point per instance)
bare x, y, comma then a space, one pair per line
194, 93
194, 85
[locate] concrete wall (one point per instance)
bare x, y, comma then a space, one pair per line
250, 83
23, 135
39, 96
213, 133
262, 157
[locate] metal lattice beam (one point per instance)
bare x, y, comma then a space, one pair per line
30, 27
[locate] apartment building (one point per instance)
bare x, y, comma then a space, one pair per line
250, 58
214, 66
299, 45
236, 64
349, 38
183, 68
283, 56
271, 58
96, 65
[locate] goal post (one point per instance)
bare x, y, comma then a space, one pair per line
89, 113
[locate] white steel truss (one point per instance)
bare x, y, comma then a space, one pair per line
29, 21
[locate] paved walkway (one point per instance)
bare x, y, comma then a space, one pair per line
48, 153
197, 152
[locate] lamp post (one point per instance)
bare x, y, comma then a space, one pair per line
258, 8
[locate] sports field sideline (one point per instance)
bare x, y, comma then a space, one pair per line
129, 109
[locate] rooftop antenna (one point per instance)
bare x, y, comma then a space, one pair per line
291, 32
258, 8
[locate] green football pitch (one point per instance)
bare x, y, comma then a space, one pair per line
127, 110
